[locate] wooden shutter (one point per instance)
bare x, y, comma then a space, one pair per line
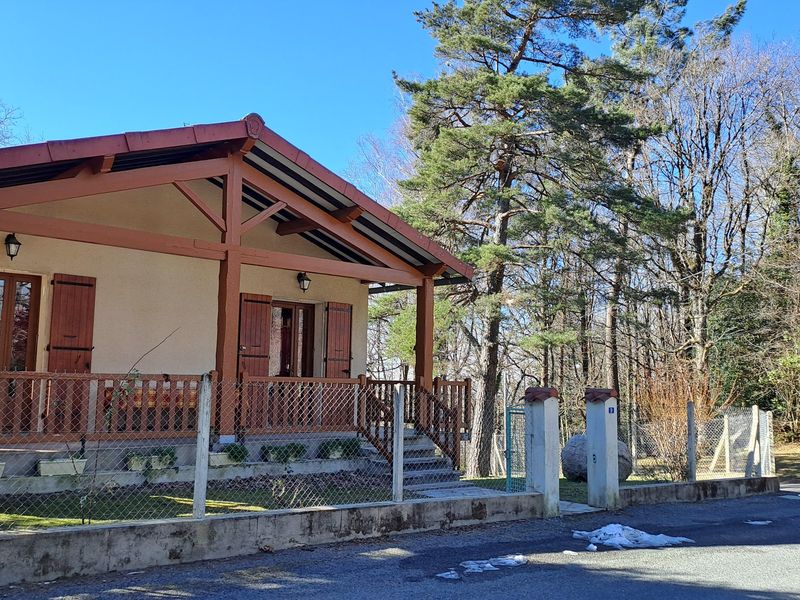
71, 324
338, 345
255, 317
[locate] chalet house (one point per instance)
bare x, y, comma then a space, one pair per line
212, 248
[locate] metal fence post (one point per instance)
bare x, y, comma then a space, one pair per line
397, 446
201, 457
750, 470
726, 434
691, 441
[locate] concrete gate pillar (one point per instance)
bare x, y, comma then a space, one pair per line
602, 468
542, 453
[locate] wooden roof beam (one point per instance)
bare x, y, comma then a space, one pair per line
432, 269
343, 215
90, 166
104, 183
326, 266
344, 232
262, 216
200, 205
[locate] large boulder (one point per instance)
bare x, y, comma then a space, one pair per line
573, 459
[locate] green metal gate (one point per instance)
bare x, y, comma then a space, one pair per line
515, 448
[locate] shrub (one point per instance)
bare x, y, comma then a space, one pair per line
347, 448
167, 454
237, 452
282, 454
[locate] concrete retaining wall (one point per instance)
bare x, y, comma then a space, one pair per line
87, 550
185, 474
696, 491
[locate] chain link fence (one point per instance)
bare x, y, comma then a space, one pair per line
736, 443
99, 448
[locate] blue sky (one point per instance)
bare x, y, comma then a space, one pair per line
319, 72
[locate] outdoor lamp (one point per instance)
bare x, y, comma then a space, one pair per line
13, 245
304, 281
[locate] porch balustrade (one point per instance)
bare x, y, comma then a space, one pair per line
49, 407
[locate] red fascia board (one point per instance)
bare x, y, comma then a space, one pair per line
348, 190
55, 151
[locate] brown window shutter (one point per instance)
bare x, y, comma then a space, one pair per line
338, 344
71, 324
255, 319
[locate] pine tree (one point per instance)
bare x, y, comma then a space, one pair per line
513, 151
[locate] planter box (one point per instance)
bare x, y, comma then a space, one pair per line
220, 459
62, 466
137, 463
2, 468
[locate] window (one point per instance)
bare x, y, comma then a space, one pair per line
19, 312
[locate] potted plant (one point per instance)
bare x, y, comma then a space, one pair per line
283, 454
231, 454
137, 461
164, 458
74, 465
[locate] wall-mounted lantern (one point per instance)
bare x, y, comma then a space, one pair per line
303, 281
12, 245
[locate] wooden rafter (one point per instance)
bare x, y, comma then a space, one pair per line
344, 232
198, 202
262, 216
102, 183
326, 266
344, 215
433, 269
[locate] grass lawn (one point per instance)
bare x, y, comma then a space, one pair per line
787, 462
128, 504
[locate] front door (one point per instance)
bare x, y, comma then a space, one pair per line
275, 338
19, 312
291, 340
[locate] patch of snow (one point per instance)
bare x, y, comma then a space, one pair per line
509, 560
570, 553
591, 548
451, 574
621, 536
792, 497
758, 522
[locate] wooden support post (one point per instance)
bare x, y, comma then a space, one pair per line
423, 368
230, 272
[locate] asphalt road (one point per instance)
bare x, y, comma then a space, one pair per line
730, 559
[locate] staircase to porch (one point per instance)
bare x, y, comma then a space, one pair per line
425, 467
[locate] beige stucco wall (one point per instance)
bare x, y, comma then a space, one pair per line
142, 296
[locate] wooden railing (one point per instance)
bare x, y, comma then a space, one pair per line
46, 407
375, 415
293, 404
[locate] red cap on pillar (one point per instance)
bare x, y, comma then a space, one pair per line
540, 394
600, 394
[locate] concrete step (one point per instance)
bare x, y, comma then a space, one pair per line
430, 476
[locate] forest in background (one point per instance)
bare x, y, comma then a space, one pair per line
633, 217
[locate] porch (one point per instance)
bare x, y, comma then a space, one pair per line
47, 414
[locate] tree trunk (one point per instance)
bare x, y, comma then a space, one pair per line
479, 454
